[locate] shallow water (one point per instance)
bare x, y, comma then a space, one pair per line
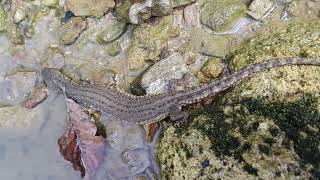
32, 153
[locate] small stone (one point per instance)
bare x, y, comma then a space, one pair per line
177, 3
212, 68
3, 17
113, 49
39, 95
19, 15
16, 88
72, 30
50, 3
90, 8
259, 8
159, 75
112, 31
221, 15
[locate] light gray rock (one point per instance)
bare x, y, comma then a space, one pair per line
259, 8
16, 88
156, 79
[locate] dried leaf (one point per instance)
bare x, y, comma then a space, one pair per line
151, 130
79, 144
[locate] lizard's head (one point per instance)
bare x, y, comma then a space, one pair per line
54, 78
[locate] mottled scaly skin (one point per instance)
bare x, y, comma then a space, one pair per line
151, 108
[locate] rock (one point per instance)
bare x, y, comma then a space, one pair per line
54, 58
19, 15
296, 39
208, 44
177, 3
221, 15
112, 31
113, 48
264, 127
16, 88
122, 10
213, 68
90, 8
259, 8
18, 117
3, 17
191, 15
147, 42
50, 3
72, 29
14, 34
189, 154
156, 79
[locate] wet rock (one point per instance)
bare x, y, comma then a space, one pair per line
259, 8
209, 44
50, 3
19, 15
14, 34
177, 3
156, 79
181, 155
221, 15
16, 88
18, 116
253, 123
113, 48
112, 31
213, 68
90, 8
304, 9
296, 39
72, 30
3, 18
191, 15
122, 10
147, 42
54, 58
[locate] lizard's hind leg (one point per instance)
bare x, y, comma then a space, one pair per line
178, 116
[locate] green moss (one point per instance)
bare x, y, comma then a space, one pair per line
220, 15
148, 40
3, 18
295, 119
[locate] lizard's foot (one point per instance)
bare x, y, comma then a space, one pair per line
179, 117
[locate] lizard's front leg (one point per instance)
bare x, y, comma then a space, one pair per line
178, 116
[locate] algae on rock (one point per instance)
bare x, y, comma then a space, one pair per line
221, 15
3, 18
147, 42
269, 124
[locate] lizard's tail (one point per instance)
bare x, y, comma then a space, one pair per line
214, 87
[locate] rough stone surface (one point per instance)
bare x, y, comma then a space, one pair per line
213, 68
18, 116
266, 125
90, 8
221, 15
16, 88
205, 43
259, 8
72, 30
159, 75
2, 19
147, 42
112, 31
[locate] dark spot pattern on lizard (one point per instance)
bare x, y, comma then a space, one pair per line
152, 108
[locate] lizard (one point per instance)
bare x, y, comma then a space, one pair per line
152, 108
